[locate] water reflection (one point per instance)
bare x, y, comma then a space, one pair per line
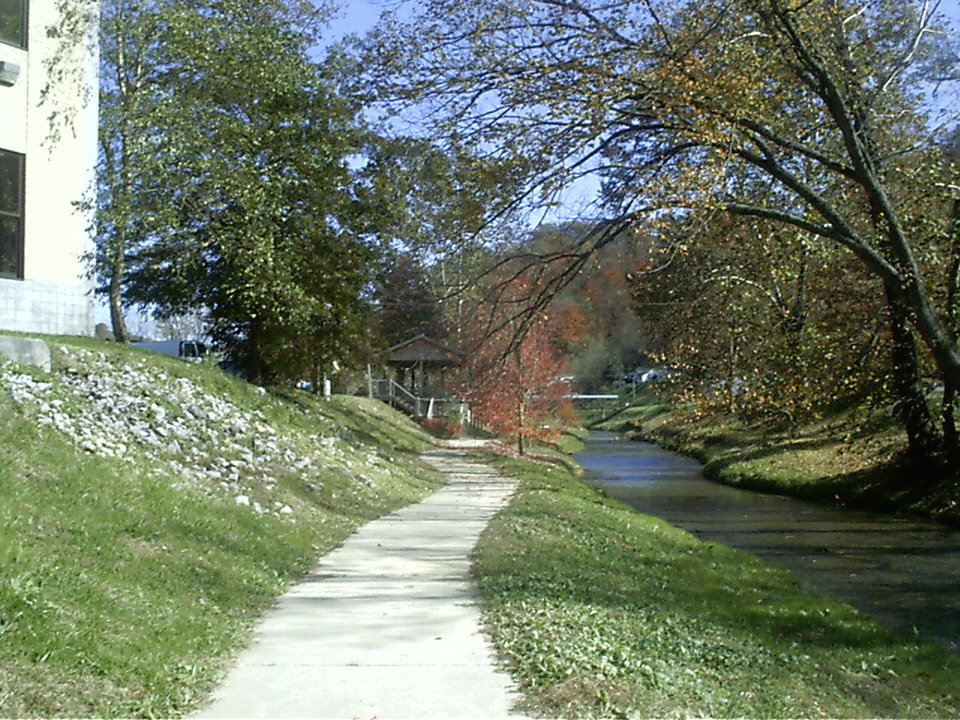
904, 573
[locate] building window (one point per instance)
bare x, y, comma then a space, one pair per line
13, 22
11, 215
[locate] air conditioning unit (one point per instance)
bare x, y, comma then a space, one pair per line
8, 73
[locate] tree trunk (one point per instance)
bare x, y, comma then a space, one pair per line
119, 323
796, 314
951, 443
520, 408
118, 241
951, 440
732, 372
848, 107
910, 407
256, 372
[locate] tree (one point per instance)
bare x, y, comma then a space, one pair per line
753, 316
418, 197
226, 183
406, 302
427, 207
518, 391
695, 104
128, 192
599, 333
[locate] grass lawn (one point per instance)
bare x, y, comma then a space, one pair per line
599, 611
125, 590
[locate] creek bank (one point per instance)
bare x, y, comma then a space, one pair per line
600, 611
901, 572
824, 462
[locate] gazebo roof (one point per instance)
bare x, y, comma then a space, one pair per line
424, 349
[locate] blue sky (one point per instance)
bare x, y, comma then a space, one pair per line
356, 16
361, 15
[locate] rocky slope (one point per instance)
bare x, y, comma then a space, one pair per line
133, 407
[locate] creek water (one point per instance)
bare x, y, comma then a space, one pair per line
902, 572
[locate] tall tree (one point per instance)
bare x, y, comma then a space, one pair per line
407, 303
128, 195
227, 187
427, 206
757, 321
599, 332
693, 104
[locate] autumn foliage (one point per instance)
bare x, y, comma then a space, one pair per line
518, 390
803, 128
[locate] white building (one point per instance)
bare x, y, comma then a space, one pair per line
48, 144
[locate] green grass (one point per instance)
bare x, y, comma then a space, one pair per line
599, 611
571, 440
124, 593
647, 408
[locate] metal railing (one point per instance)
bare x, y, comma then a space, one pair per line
390, 391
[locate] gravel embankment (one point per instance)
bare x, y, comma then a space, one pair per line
141, 411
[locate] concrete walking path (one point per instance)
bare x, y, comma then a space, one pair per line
386, 626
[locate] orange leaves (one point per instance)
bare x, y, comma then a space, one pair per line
518, 389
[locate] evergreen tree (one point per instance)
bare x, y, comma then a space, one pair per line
408, 305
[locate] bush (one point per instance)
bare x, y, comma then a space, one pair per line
440, 428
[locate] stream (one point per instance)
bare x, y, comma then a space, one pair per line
902, 572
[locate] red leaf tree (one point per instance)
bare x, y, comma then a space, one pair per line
518, 389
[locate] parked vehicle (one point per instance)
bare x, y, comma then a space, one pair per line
187, 349
650, 375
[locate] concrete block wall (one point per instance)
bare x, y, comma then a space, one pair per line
52, 297
29, 306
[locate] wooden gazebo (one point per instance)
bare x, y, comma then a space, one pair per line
424, 366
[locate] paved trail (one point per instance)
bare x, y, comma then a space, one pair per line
387, 625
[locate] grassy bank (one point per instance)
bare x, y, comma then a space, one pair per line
151, 510
603, 612
853, 458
